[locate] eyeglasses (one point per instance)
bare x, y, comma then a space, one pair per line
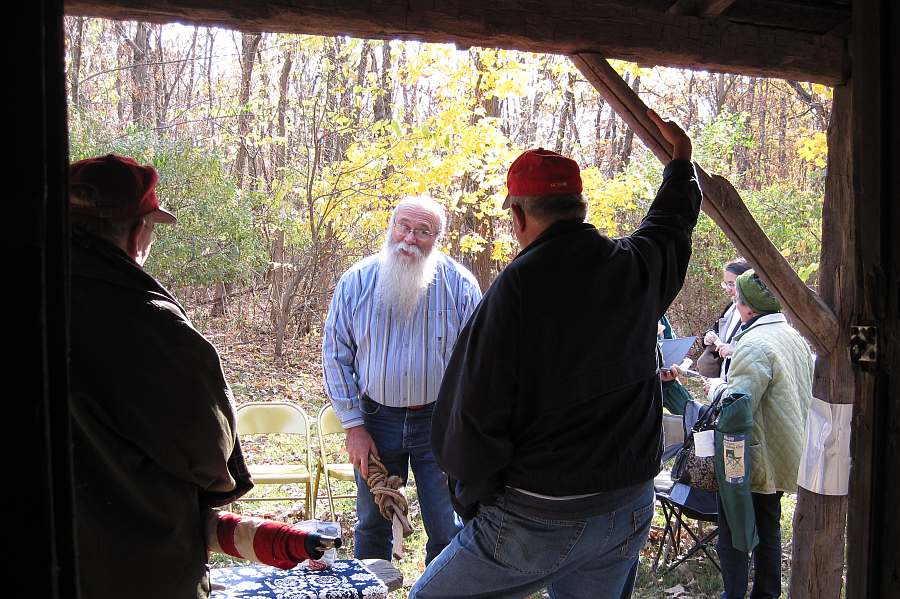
420, 234
727, 285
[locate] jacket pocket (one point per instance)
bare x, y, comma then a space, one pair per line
759, 468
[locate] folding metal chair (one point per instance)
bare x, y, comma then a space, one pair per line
681, 503
329, 424
279, 417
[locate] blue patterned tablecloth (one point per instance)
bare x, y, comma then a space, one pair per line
344, 579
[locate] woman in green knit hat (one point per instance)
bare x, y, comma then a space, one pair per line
774, 366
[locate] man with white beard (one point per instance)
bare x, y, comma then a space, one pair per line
391, 327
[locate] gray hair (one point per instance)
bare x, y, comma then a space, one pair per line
113, 230
551, 208
425, 203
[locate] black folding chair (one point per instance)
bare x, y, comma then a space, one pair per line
681, 504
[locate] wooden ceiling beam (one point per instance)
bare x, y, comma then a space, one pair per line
608, 28
721, 201
700, 8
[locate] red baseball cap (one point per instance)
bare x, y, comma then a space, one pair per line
540, 172
114, 186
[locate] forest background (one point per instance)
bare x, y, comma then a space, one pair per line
282, 155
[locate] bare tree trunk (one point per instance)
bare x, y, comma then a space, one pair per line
598, 134
625, 155
692, 104
782, 136
165, 90
383, 108
121, 53
410, 96
568, 104
158, 69
761, 155
249, 45
742, 153
74, 73
531, 115
210, 46
283, 88
479, 263
218, 307
140, 91
276, 276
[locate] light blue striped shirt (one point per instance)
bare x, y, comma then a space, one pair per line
395, 362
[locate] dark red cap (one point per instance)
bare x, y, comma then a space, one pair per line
541, 172
114, 186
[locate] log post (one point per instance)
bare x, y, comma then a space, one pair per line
818, 538
721, 201
871, 285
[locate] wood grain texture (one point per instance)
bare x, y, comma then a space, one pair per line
819, 521
612, 29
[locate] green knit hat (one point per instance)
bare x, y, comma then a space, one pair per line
756, 295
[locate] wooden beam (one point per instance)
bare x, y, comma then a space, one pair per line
604, 27
721, 201
700, 8
873, 287
820, 520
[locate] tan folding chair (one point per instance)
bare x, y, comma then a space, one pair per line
328, 424
259, 418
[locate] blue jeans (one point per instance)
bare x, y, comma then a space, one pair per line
501, 553
403, 439
766, 556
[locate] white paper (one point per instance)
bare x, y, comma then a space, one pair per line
825, 464
705, 444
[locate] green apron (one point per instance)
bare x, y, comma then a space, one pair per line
733, 470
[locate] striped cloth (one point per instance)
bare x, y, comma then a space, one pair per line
395, 362
256, 539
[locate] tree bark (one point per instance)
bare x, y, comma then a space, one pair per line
140, 78
742, 153
249, 45
819, 520
77, 38
567, 102
625, 153
480, 263
384, 98
283, 89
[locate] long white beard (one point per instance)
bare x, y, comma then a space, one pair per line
403, 280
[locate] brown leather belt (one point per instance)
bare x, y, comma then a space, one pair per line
413, 408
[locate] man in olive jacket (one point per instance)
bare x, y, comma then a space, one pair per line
548, 421
153, 423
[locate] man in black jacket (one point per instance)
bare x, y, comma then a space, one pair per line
548, 421
153, 423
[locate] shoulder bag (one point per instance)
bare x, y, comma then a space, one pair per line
698, 472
